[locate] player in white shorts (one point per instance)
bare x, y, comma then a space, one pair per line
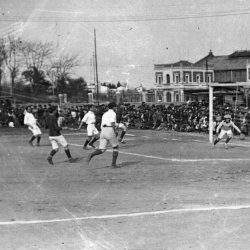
108, 135
226, 129
55, 136
92, 132
31, 122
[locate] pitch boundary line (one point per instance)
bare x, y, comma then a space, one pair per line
173, 159
113, 216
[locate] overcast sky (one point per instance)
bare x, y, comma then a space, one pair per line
132, 35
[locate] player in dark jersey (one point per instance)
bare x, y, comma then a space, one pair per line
55, 136
120, 124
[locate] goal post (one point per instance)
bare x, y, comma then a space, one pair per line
211, 88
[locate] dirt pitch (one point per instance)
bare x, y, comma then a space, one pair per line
172, 192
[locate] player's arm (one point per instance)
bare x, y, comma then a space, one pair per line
236, 127
219, 127
81, 123
84, 120
113, 124
55, 125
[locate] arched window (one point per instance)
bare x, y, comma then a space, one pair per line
168, 78
177, 99
159, 98
169, 97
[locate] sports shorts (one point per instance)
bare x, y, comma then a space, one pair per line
58, 139
225, 132
35, 130
108, 136
121, 126
92, 130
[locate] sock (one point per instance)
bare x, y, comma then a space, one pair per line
122, 134
96, 152
68, 153
216, 141
94, 140
115, 155
86, 143
52, 153
38, 139
32, 138
228, 139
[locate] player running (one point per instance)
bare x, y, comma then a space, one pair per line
55, 136
32, 124
90, 120
226, 129
108, 135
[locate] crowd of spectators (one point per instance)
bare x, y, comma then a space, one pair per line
188, 117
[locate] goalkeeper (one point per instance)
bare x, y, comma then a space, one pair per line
226, 129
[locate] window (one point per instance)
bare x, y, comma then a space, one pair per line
187, 78
169, 99
198, 78
159, 79
209, 77
177, 98
176, 78
160, 98
168, 78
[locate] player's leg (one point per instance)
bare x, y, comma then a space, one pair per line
55, 149
61, 139
33, 135
222, 133
115, 156
38, 135
229, 137
95, 138
115, 145
89, 133
102, 147
101, 150
124, 131
87, 142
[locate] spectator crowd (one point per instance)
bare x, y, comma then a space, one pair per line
188, 117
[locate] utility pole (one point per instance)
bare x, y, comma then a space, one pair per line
0, 76
97, 87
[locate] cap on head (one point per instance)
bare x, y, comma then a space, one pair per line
227, 116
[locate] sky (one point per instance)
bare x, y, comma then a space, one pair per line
131, 35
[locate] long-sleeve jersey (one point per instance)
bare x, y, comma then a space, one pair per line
52, 125
226, 126
29, 119
89, 118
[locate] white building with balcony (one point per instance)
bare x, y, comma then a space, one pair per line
178, 82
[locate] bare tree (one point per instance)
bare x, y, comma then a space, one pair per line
37, 55
12, 58
37, 58
61, 68
2, 55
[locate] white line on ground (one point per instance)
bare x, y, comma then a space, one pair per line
130, 135
113, 216
173, 159
76, 134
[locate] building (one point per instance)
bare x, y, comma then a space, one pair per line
230, 69
178, 82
